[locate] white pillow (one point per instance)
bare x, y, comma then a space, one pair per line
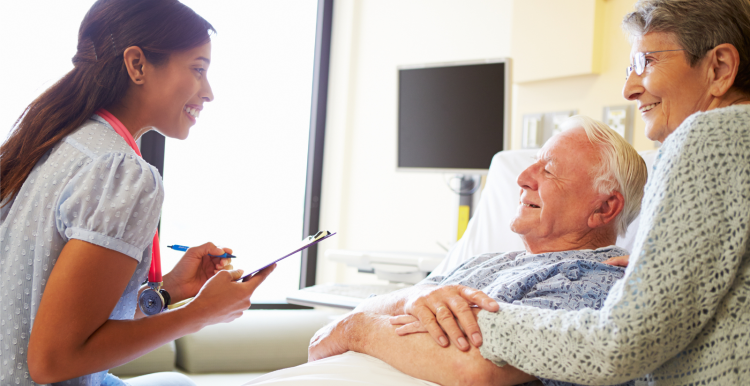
489, 229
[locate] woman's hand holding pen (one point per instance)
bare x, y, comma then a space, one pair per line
223, 299
194, 269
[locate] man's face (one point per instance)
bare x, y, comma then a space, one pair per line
557, 193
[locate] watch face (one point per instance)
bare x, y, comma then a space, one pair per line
151, 302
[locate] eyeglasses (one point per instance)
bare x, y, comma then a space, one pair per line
640, 62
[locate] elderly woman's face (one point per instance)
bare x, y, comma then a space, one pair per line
669, 90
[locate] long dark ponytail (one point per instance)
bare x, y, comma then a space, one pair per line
99, 78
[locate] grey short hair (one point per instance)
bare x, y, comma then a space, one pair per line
622, 169
698, 26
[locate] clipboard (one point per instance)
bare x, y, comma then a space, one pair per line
306, 243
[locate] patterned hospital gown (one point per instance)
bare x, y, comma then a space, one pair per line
91, 186
569, 280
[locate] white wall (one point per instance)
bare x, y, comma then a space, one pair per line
372, 206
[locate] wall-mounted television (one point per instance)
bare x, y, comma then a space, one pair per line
453, 117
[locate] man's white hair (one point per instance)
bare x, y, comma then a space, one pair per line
622, 169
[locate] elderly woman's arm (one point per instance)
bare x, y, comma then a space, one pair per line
686, 272
415, 355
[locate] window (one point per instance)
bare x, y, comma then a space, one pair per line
240, 178
41, 40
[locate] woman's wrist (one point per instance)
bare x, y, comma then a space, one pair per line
173, 288
194, 319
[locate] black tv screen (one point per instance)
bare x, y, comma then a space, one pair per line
451, 117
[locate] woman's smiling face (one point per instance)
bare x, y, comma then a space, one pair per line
669, 90
178, 91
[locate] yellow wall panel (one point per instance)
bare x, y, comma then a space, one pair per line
556, 38
588, 94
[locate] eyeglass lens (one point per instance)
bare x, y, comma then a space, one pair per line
638, 66
640, 63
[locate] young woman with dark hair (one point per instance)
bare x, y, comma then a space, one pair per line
79, 206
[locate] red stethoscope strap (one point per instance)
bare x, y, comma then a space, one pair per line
154, 273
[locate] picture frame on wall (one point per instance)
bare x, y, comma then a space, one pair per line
620, 119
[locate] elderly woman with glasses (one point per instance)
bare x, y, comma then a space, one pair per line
681, 314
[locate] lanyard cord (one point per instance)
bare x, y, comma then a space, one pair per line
154, 273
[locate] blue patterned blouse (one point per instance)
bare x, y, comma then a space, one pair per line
569, 280
92, 187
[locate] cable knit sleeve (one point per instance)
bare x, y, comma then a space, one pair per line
679, 312
114, 202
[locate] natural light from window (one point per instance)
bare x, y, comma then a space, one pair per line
239, 179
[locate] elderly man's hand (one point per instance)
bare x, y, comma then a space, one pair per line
440, 310
619, 261
411, 325
334, 338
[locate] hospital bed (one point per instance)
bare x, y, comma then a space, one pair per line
488, 231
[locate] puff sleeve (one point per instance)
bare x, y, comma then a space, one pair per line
113, 201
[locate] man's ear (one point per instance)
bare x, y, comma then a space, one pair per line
724, 63
135, 63
608, 210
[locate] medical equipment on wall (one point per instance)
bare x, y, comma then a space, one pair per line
453, 118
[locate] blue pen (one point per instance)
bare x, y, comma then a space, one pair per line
184, 248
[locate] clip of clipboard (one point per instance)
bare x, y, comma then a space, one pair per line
306, 243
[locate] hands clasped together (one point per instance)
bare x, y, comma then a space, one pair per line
437, 310
450, 309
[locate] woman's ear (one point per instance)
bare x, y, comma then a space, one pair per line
724, 64
135, 62
608, 210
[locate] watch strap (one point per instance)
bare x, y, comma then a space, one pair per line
167, 298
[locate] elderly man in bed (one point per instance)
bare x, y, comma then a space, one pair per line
584, 190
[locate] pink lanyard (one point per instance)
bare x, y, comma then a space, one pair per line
154, 273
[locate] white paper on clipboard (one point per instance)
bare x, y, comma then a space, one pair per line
304, 244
